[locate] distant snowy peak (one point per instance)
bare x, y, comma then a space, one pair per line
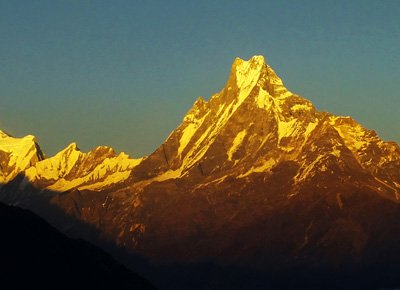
73, 169
16, 155
68, 169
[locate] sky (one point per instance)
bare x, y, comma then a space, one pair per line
124, 73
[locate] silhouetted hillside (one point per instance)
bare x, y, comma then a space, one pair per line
34, 255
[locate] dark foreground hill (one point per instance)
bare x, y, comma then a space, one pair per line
34, 255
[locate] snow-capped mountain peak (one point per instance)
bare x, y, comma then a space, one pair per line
246, 75
253, 124
16, 155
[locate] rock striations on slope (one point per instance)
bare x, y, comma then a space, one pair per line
255, 177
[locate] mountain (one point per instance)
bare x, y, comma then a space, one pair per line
71, 169
36, 255
68, 169
255, 179
16, 155
255, 123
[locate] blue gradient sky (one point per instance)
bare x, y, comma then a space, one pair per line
124, 73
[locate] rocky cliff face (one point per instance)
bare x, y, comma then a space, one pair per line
255, 177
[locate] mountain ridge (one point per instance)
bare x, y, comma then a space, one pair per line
68, 169
245, 76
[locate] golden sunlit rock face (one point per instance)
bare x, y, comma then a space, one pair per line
254, 176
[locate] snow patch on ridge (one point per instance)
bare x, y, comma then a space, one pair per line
267, 165
236, 143
308, 171
301, 107
189, 131
263, 100
310, 127
170, 174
